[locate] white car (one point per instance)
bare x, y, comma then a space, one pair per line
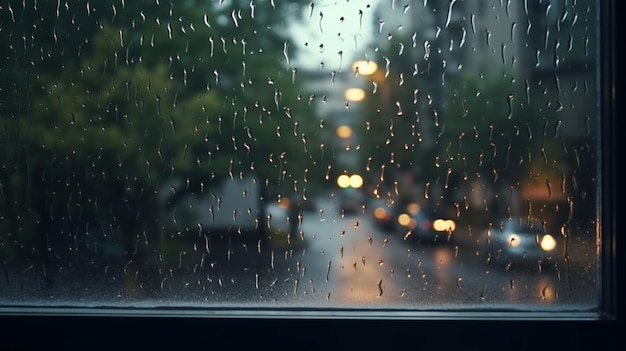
518, 241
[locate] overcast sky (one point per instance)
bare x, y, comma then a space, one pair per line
332, 27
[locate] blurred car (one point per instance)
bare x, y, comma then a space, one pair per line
350, 200
285, 214
415, 222
521, 241
384, 213
278, 216
422, 224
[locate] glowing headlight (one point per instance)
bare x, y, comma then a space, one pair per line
405, 220
514, 240
444, 225
413, 208
547, 243
380, 213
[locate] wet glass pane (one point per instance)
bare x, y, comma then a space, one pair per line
416, 155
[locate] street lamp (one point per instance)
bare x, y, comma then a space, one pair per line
364, 67
354, 94
344, 132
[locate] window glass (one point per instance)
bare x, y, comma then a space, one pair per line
409, 155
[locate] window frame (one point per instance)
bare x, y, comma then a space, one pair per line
371, 327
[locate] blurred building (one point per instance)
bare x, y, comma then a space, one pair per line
334, 97
550, 45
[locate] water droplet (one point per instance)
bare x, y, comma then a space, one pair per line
545, 291
328, 269
399, 111
286, 51
407, 235
320, 22
483, 293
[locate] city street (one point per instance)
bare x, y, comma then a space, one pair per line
336, 261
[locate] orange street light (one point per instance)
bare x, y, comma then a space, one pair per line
354, 94
344, 132
364, 67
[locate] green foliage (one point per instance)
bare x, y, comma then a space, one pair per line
399, 124
449, 129
492, 128
106, 101
462, 125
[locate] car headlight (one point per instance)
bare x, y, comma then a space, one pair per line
548, 243
413, 208
444, 225
514, 240
406, 221
380, 213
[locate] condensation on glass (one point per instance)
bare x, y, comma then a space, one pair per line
410, 155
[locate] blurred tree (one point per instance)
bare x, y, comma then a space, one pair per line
484, 127
400, 121
492, 130
102, 102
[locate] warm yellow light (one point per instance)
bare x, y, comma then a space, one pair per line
364, 67
380, 213
353, 181
404, 220
343, 181
356, 181
354, 94
284, 203
514, 240
444, 225
344, 132
548, 243
413, 208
